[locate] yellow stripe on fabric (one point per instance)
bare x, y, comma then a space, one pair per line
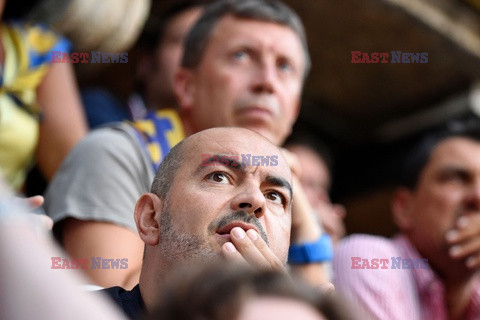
40, 40
177, 134
155, 152
171, 136
18, 138
145, 126
21, 47
17, 78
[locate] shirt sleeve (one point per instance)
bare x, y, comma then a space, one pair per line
100, 180
377, 289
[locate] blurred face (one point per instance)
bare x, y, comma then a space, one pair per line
207, 201
448, 188
168, 56
315, 180
250, 76
271, 307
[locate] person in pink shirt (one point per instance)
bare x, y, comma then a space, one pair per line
430, 269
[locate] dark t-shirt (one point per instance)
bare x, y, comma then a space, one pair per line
130, 302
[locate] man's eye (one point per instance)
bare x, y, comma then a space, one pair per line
455, 177
275, 197
240, 55
285, 66
218, 177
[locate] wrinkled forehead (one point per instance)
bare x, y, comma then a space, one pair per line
233, 30
246, 148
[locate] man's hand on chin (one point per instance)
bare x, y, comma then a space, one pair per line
248, 247
464, 240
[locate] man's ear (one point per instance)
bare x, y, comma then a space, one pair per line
147, 214
184, 89
402, 208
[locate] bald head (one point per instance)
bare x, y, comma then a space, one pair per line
211, 186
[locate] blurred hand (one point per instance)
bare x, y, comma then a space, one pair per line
304, 223
331, 217
464, 240
34, 203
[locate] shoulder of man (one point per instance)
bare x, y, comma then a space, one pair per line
366, 243
107, 163
362, 251
365, 272
113, 141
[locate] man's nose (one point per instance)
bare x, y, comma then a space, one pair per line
249, 199
474, 195
265, 77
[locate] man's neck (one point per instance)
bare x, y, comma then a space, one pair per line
458, 295
187, 125
151, 280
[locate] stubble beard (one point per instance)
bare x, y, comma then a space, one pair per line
177, 247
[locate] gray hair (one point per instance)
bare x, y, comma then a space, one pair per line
262, 10
167, 170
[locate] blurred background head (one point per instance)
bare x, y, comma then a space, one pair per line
161, 49
316, 164
221, 290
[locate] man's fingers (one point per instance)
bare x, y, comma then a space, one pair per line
35, 201
32, 202
46, 221
466, 227
245, 246
252, 249
465, 249
230, 253
465, 241
473, 262
272, 260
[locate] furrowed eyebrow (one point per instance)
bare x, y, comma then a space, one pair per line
220, 159
241, 167
279, 182
451, 169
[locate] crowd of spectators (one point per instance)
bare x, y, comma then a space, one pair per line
188, 201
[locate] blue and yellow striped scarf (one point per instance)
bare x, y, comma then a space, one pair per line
159, 132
